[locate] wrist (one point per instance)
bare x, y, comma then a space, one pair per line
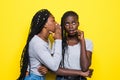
82, 40
57, 36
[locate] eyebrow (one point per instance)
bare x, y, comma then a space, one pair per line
69, 22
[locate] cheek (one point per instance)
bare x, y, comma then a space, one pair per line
66, 29
76, 27
52, 24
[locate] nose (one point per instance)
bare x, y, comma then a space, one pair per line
70, 26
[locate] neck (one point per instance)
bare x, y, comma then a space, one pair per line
44, 35
72, 37
72, 40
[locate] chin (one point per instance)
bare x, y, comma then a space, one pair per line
71, 34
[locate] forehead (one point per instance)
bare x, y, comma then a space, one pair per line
51, 16
71, 18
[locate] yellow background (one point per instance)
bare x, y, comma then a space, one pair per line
100, 20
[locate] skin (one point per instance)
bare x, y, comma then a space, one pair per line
75, 36
50, 27
67, 72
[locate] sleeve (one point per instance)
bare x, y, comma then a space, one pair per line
43, 54
89, 45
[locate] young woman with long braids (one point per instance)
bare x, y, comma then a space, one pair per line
36, 51
77, 51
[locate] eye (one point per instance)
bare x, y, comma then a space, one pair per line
66, 24
73, 23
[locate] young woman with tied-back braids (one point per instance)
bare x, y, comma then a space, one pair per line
76, 50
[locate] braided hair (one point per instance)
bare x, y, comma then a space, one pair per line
64, 34
37, 24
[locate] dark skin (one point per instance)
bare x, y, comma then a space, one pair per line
67, 72
74, 37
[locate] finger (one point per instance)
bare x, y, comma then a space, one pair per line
41, 67
57, 25
90, 73
43, 72
91, 70
78, 31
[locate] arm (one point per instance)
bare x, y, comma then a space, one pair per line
85, 56
44, 56
73, 72
67, 72
43, 53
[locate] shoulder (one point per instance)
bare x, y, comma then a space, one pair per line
88, 41
37, 42
89, 44
34, 41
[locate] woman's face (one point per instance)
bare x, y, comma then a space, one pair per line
71, 25
51, 23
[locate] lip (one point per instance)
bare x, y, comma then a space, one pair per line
71, 31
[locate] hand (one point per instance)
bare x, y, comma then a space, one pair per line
80, 34
88, 73
43, 70
27, 73
57, 34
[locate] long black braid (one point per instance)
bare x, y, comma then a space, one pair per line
37, 24
64, 34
